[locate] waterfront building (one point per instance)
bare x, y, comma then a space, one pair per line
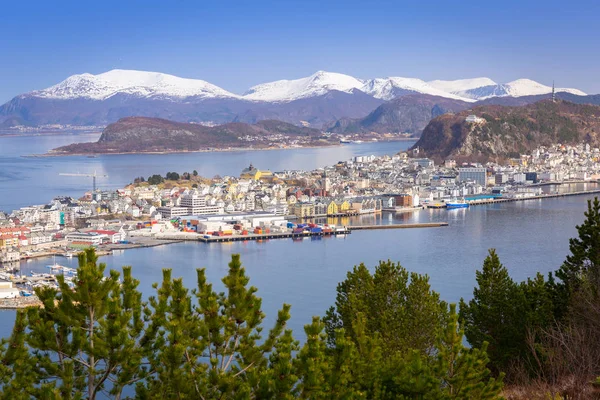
473, 174
303, 210
86, 239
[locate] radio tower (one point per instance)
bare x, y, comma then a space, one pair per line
553, 93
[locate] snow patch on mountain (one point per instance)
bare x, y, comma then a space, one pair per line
392, 87
137, 83
517, 88
460, 85
317, 84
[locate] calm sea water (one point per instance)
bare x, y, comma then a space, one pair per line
529, 236
25, 181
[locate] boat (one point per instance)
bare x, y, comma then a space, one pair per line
357, 141
26, 293
345, 141
55, 266
456, 204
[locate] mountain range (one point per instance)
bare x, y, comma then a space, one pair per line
318, 100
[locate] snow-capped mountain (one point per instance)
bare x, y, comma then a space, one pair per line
317, 84
392, 87
318, 99
485, 88
461, 85
137, 83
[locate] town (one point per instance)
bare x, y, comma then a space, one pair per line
263, 204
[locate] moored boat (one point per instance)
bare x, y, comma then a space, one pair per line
457, 204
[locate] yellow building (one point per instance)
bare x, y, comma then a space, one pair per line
255, 174
343, 206
9, 241
332, 208
303, 210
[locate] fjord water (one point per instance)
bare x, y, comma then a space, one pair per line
36, 180
529, 236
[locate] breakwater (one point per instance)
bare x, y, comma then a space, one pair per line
538, 197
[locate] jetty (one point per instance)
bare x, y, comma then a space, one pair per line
399, 226
291, 235
478, 202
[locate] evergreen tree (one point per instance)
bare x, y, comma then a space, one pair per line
84, 340
398, 306
583, 264
496, 314
213, 349
155, 179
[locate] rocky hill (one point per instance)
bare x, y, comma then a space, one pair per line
142, 134
406, 114
412, 113
503, 132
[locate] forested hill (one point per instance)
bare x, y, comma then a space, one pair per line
142, 134
503, 132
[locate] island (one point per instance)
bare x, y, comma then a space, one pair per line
156, 135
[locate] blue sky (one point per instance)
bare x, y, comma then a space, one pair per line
236, 44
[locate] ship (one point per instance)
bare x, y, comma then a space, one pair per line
454, 203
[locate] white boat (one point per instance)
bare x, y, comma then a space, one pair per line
55, 266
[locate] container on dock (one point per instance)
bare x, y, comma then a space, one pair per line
298, 230
312, 225
316, 229
327, 230
237, 227
258, 231
302, 225
244, 232
290, 225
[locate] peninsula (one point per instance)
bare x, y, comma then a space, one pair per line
151, 135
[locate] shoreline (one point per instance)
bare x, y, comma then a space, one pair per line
226, 150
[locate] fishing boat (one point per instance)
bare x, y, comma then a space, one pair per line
454, 203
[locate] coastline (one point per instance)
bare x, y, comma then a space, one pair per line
225, 150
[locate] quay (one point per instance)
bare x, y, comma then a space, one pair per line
543, 196
399, 226
286, 235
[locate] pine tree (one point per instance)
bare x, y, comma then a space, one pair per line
84, 340
214, 349
583, 264
398, 305
496, 314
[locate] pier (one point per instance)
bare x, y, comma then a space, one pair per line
543, 196
399, 226
287, 235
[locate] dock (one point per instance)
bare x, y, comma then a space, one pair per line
540, 197
267, 236
290, 235
399, 226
